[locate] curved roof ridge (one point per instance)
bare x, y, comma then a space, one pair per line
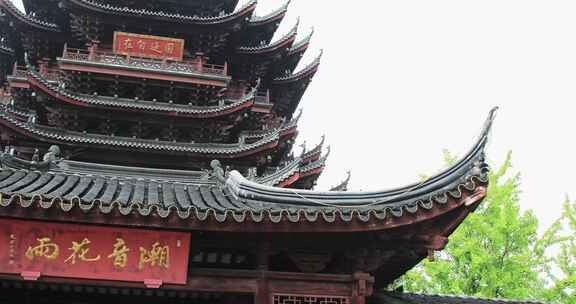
310, 68
108, 170
320, 162
29, 19
470, 167
302, 42
271, 15
281, 174
243, 10
60, 135
287, 38
238, 104
260, 133
317, 149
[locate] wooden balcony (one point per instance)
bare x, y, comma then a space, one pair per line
195, 71
262, 99
19, 76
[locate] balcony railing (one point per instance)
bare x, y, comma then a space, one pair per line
196, 66
262, 97
20, 72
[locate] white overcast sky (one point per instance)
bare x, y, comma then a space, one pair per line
402, 80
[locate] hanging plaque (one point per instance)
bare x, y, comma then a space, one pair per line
93, 252
148, 46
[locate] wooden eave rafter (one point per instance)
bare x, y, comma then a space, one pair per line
27, 20
92, 6
275, 16
282, 44
159, 108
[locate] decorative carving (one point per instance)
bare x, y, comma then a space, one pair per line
368, 259
218, 172
310, 262
53, 154
308, 299
36, 156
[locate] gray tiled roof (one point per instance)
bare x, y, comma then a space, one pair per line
270, 16
28, 19
56, 135
227, 105
286, 41
234, 199
246, 9
307, 72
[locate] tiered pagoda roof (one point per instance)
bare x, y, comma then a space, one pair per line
232, 97
179, 116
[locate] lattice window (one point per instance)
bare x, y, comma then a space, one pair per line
308, 299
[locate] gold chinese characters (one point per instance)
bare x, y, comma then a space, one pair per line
120, 253
142, 45
45, 249
157, 255
80, 251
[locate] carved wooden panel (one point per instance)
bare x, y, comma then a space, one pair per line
308, 299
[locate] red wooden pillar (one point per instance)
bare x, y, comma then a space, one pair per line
362, 287
92, 50
200, 62
263, 293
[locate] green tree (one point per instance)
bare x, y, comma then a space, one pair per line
496, 251
562, 273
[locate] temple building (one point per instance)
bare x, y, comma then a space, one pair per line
147, 157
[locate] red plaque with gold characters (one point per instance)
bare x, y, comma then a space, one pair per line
92, 252
148, 46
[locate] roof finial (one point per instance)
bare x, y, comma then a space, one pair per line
53, 154
327, 152
218, 172
299, 115
488, 124
343, 186
303, 146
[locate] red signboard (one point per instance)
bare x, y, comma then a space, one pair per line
93, 252
148, 46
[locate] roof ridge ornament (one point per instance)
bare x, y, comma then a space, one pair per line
53, 154
218, 172
343, 186
297, 118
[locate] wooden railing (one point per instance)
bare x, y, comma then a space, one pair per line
47, 73
19, 71
261, 96
187, 66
